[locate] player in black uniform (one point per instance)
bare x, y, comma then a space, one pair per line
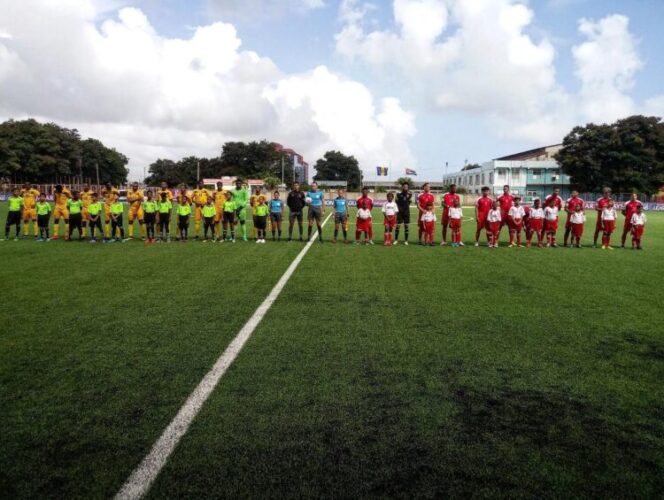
403, 200
296, 202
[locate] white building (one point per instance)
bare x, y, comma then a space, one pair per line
532, 174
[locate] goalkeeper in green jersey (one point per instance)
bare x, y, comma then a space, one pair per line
241, 200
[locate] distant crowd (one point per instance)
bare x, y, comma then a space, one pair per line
218, 213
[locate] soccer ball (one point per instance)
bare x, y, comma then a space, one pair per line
308, 200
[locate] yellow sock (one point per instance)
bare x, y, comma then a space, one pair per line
143, 230
35, 227
66, 230
107, 230
85, 231
25, 229
131, 229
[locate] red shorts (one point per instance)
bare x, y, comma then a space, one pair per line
455, 223
568, 223
482, 222
494, 227
628, 225
504, 219
599, 225
390, 221
446, 217
609, 226
536, 225
637, 231
516, 225
364, 224
577, 230
429, 227
550, 226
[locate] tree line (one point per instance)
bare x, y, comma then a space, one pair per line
627, 156
44, 153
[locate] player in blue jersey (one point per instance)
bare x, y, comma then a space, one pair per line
340, 215
316, 201
276, 215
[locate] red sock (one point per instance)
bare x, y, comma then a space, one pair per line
357, 235
370, 233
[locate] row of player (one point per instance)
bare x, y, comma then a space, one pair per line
219, 212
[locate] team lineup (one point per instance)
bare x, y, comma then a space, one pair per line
218, 213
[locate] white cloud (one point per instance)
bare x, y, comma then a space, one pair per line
478, 56
149, 96
606, 64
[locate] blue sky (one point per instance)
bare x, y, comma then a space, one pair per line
297, 41
442, 106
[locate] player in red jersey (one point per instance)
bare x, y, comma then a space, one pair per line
516, 216
423, 201
570, 207
482, 209
630, 209
364, 222
505, 201
557, 200
535, 222
602, 203
448, 202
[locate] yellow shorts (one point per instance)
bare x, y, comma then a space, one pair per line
219, 215
60, 212
86, 214
107, 213
29, 214
198, 214
135, 213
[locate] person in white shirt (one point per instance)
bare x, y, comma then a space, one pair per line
515, 217
551, 222
535, 223
390, 211
364, 222
638, 223
609, 216
429, 224
577, 220
456, 215
494, 221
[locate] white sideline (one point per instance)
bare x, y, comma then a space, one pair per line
143, 476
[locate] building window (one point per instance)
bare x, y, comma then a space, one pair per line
537, 172
482, 178
491, 178
477, 179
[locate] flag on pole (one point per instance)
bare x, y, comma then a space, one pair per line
410, 171
381, 171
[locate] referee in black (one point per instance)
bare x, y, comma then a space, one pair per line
296, 202
403, 200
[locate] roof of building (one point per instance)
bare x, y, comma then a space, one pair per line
526, 155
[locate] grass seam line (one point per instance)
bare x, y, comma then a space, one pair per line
143, 476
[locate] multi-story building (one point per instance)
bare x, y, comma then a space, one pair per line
296, 162
532, 174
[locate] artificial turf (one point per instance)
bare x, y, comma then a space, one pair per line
399, 372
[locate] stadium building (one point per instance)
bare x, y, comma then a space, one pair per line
532, 174
297, 163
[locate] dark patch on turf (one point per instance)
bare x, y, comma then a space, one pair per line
632, 344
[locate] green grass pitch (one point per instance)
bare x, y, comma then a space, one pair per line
378, 372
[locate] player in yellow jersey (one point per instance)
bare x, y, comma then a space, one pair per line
254, 201
110, 196
86, 198
30, 194
219, 200
60, 197
200, 197
135, 200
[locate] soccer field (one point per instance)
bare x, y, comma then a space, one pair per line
378, 372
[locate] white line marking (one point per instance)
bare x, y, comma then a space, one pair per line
143, 476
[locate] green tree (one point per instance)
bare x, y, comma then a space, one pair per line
43, 153
404, 180
335, 166
626, 156
271, 182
